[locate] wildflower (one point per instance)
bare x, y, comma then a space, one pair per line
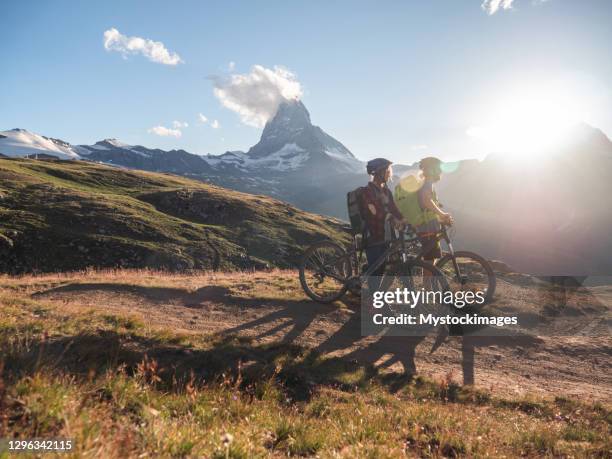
227, 439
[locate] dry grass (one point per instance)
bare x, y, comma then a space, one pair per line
123, 389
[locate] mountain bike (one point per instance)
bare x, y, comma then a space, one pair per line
328, 270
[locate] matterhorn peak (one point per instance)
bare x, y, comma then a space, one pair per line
291, 110
290, 132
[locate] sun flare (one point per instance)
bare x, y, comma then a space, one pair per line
530, 120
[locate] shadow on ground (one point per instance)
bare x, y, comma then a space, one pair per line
287, 318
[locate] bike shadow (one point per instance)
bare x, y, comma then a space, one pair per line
286, 323
291, 320
386, 350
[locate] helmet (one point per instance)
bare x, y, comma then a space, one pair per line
377, 164
430, 163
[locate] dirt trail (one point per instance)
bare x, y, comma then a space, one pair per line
271, 307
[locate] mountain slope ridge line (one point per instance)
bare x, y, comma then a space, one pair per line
72, 215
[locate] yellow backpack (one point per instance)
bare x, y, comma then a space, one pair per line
407, 201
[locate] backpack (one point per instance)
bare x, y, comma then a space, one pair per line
407, 201
353, 200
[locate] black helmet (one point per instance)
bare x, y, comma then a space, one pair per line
377, 164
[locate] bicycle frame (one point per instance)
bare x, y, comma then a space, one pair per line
394, 247
442, 234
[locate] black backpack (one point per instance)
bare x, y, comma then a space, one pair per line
353, 200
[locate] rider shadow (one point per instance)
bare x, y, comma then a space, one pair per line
293, 318
388, 350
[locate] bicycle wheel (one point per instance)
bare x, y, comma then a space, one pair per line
325, 270
475, 274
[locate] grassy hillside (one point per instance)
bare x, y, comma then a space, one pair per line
120, 386
65, 215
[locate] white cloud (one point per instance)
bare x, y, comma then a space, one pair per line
204, 120
179, 124
492, 6
255, 96
419, 147
155, 51
231, 66
165, 132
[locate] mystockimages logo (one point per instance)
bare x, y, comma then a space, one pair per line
436, 321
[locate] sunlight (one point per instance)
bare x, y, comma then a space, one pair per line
530, 120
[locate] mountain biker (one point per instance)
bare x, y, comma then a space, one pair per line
431, 171
379, 211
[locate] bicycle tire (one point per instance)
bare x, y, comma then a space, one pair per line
491, 278
342, 255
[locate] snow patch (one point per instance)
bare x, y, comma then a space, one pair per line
352, 163
116, 143
290, 157
230, 157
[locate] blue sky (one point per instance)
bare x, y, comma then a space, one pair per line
388, 78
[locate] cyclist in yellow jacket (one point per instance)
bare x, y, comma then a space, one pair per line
428, 201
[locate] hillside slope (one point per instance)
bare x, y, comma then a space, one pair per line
65, 215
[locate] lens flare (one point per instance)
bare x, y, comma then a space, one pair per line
531, 119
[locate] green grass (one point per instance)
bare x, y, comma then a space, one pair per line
119, 388
67, 215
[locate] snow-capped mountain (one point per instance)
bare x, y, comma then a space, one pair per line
20, 142
112, 151
293, 160
289, 143
291, 135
